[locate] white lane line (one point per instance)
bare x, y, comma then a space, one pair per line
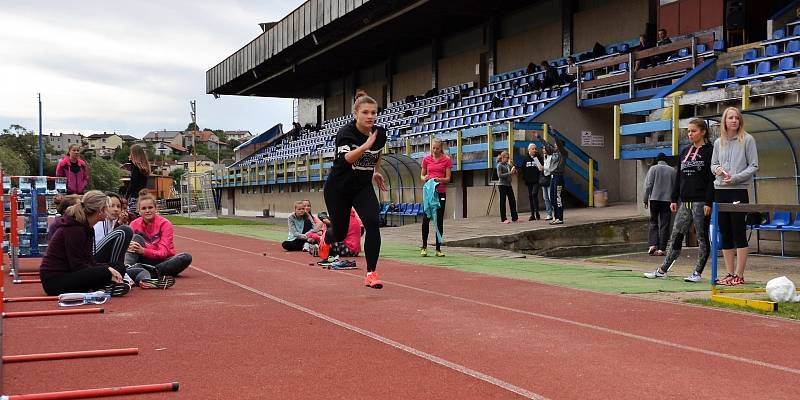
570, 322
372, 335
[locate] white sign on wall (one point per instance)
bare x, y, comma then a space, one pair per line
589, 140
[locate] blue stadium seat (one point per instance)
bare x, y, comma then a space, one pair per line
624, 47
484, 117
493, 116
611, 50
518, 111
622, 66
770, 50
683, 52
515, 101
778, 78
529, 109
786, 64
508, 114
719, 45
762, 68
523, 99
540, 107
506, 102
778, 34
754, 82
796, 30
722, 75
701, 48
743, 70
589, 75
534, 97
793, 46
750, 54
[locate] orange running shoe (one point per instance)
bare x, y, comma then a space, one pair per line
372, 280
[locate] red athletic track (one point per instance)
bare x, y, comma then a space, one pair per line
242, 325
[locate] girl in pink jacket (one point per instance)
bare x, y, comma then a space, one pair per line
74, 169
152, 241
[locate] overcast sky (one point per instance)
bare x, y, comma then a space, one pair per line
129, 66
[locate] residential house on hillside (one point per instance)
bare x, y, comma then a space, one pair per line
165, 149
209, 138
202, 162
62, 141
173, 137
129, 139
105, 144
241, 136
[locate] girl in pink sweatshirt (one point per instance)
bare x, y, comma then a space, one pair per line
153, 241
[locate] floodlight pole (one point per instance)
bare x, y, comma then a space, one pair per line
193, 104
41, 147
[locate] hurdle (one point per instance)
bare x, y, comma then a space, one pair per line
723, 295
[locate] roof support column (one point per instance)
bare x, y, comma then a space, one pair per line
568, 10
491, 45
389, 78
435, 44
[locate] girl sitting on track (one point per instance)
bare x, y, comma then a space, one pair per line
358, 156
300, 226
153, 241
351, 245
69, 264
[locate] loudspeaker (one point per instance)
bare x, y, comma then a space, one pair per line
735, 14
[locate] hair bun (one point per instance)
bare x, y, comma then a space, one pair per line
360, 93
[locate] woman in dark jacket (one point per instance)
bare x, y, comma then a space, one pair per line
69, 264
350, 182
140, 171
531, 174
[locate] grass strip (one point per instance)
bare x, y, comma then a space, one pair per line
785, 310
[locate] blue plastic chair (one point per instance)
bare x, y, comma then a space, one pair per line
771, 50
701, 48
722, 75
743, 71
719, 45
750, 54
793, 46
778, 34
762, 68
779, 220
786, 63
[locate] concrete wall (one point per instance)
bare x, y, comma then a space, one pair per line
459, 54
372, 80
412, 73
593, 22
307, 110
531, 34
334, 100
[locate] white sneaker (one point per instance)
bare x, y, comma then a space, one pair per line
694, 277
655, 274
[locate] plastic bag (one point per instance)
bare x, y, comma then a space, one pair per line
782, 289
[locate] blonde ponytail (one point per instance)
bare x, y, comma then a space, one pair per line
90, 204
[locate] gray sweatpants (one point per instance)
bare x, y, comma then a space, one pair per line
688, 213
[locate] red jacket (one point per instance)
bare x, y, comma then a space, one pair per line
158, 237
76, 182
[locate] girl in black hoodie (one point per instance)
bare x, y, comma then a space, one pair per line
692, 196
69, 264
358, 157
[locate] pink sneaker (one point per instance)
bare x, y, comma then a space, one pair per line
506, 221
372, 280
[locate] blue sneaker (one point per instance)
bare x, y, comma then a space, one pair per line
344, 264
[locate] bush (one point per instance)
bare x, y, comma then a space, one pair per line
13, 164
103, 175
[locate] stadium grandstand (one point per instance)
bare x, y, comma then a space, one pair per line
471, 75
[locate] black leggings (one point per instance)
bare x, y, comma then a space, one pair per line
732, 227
109, 253
339, 202
506, 192
439, 222
170, 267
533, 197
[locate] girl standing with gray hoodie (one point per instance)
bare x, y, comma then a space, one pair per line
734, 163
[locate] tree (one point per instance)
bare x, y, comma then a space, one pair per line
176, 177
12, 164
103, 175
122, 153
26, 144
192, 127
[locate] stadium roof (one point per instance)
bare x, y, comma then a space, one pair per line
268, 135
325, 39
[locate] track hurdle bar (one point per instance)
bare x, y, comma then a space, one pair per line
20, 281
71, 354
103, 392
29, 299
28, 273
19, 314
